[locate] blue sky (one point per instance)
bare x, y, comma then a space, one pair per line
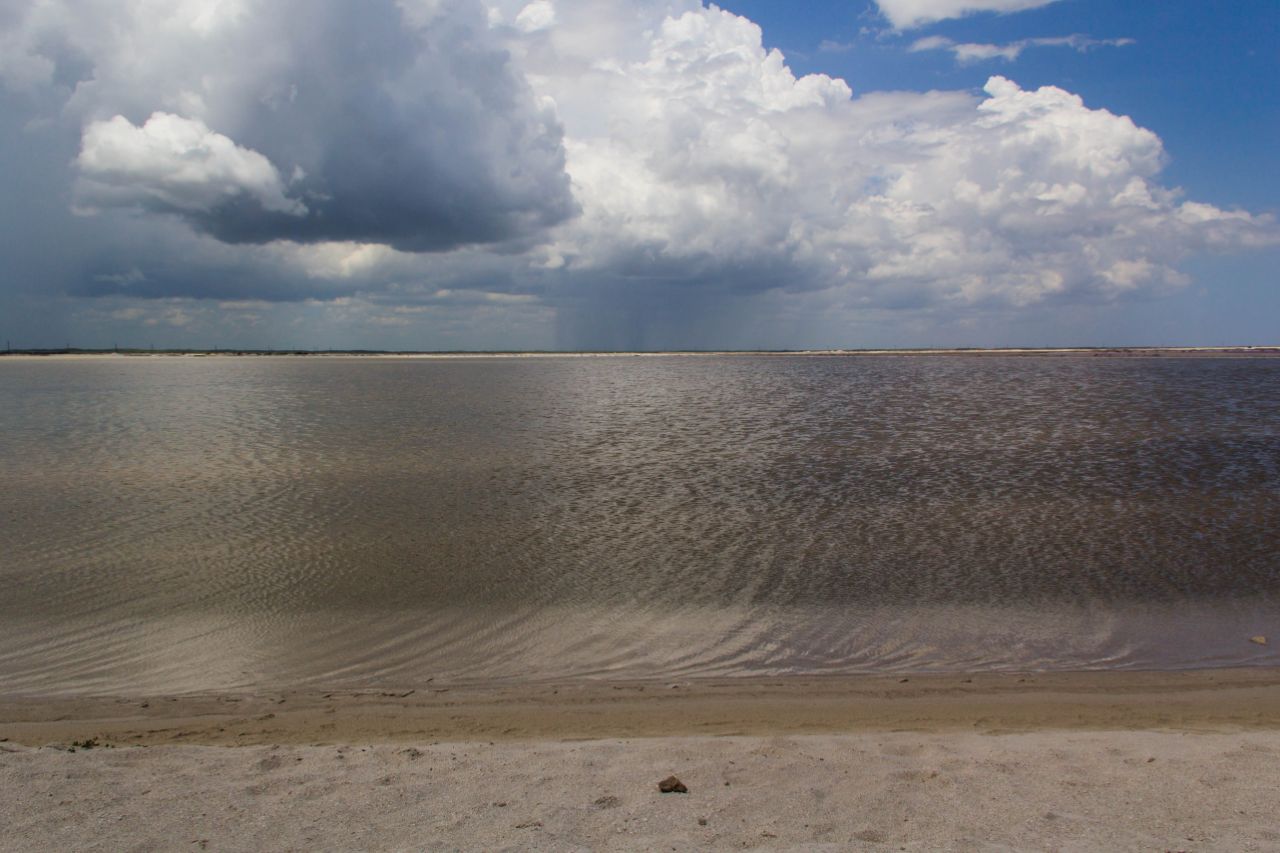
545, 174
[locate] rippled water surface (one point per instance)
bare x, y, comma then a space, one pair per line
211, 523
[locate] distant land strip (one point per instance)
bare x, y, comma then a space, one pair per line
1085, 352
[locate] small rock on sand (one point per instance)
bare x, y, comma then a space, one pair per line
672, 785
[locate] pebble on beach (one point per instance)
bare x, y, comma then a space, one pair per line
672, 785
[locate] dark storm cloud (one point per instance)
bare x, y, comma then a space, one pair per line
314, 122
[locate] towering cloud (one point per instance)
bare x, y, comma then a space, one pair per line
703, 158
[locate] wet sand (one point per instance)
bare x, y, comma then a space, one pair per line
1080, 761
1202, 700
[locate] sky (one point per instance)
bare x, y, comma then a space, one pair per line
651, 174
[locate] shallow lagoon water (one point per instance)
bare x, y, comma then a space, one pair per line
174, 524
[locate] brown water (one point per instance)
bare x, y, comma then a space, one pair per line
173, 524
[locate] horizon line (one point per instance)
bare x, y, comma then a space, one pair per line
1254, 349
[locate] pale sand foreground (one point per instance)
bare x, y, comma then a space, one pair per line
1110, 761
1084, 791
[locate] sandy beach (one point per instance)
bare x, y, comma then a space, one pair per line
1071, 761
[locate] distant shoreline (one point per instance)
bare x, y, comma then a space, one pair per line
1058, 352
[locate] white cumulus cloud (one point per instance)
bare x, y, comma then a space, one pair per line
906, 14
702, 158
175, 164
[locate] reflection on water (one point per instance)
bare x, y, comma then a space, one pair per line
174, 524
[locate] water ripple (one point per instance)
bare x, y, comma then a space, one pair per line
194, 524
